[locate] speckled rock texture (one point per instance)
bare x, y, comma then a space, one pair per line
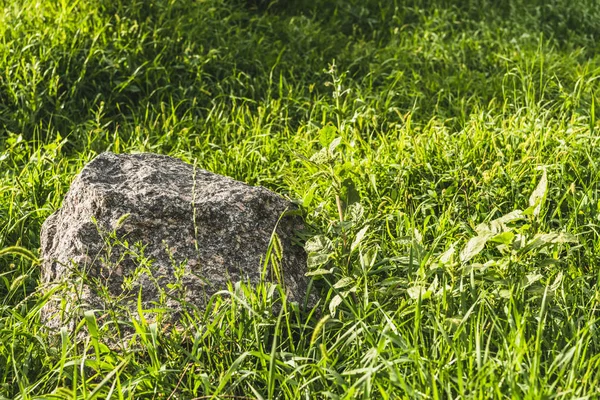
155, 223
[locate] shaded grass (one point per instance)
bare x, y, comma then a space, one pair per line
444, 111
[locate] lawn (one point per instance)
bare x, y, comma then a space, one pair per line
445, 155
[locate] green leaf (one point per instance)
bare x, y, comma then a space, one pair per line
234, 369
415, 291
359, 237
343, 282
510, 217
539, 194
319, 272
539, 240
334, 144
308, 197
316, 259
318, 244
530, 279
564, 237
499, 225
327, 134
367, 258
557, 281
543, 239
446, 256
335, 302
92, 326
355, 212
108, 377
434, 285
474, 246
503, 238
90, 320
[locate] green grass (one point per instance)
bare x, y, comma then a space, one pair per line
440, 116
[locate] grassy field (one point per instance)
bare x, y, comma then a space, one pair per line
460, 137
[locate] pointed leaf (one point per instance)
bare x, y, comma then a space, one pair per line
355, 212
318, 272
317, 244
537, 197
316, 259
434, 285
359, 237
474, 246
500, 224
334, 144
532, 278
367, 258
343, 282
503, 238
510, 217
415, 291
447, 255
557, 281
564, 237
335, 302
326, 135
539, 240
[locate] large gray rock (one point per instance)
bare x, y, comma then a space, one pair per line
154, 222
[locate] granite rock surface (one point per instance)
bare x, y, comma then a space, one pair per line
154, 226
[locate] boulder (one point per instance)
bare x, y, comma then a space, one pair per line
154, 227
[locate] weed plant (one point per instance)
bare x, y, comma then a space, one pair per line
444, 154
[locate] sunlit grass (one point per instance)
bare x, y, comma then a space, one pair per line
404, 130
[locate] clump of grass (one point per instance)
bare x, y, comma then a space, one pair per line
409, 159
